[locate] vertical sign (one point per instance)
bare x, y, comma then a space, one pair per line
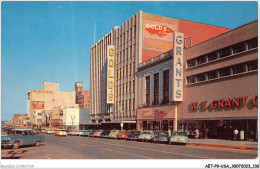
178, 40
110, 73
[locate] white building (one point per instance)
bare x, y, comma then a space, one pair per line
75, 117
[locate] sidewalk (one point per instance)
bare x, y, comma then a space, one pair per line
245, 145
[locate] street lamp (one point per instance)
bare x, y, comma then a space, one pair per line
72, 118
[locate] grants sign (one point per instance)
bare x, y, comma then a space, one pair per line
178, 40
110, 73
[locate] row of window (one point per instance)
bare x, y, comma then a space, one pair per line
223, 72
156, 89
126, 107
222, 53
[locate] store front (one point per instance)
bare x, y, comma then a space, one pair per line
220, 129
156, 118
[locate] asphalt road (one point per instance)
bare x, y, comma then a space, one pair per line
76, 147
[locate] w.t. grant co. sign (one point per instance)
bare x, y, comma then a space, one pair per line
224, 103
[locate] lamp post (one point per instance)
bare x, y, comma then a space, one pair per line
72, 118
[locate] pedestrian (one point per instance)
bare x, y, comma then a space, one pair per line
197, 133
207, 131
235, 134
251, 137
242, 134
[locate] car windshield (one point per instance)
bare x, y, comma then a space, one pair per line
179, 134
114, 131
134, 132
14, 132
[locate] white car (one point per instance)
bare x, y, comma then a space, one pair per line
61, 132
50, 132
146, 136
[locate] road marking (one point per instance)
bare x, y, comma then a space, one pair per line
106, 149
153, 150
145, 157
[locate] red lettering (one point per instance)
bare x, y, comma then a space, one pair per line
194, 106
236, 101
228, 104
244, 100
204, 105
213, 104
220, 103
255, 100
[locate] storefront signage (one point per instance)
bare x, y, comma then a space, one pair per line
38, 104
221, 103
178, 40
41, 91
155, 114
160, 30
110, 73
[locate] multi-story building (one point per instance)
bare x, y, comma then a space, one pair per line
76, 118
20, 119
220, 89
42, 101
139, 39
82, 96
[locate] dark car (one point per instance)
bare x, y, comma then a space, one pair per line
161, 137
104, 133
133, 135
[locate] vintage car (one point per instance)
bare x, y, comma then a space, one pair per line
16, 138
146, 136
113, 134
50, 131
61, 132
104, 133
75, 133
123, 135
43, 130
97, 133
179, 137
161, 137
133, 135
87, 133
81, 132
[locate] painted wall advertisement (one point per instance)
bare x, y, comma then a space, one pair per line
157, 35
38, 104
110, 73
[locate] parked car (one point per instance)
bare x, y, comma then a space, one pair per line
75, 133
16, 138
81, 132
87, 133
133, 135
61, 132
123, 135
43, 130
146, 136
113, 134
179, 137
97, 133
161, 137
69, 132
37, 131
50, 131
104, 133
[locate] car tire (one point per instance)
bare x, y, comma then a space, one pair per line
16, 145
37, 144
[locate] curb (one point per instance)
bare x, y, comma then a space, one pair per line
224, 146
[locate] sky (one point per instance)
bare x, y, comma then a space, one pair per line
50, 41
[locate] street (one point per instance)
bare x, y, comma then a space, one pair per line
76, 147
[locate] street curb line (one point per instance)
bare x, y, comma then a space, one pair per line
224, 146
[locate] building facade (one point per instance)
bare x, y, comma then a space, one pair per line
75, 118
82, 96
42, 101
139, 39
20, 119
220, 90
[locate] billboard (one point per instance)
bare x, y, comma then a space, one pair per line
157, 35
110, 73
178, 41
38, 104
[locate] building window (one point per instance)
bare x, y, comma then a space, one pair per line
212, 75
224, 52
156, 89
201, 59
147, 90
165, 86
253, 65
224, 72
252, 43
238, 48
201, 77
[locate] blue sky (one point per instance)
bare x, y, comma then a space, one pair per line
50, 41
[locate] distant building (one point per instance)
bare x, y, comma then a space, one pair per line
20, 119
42, 101
82, 96
75, 118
